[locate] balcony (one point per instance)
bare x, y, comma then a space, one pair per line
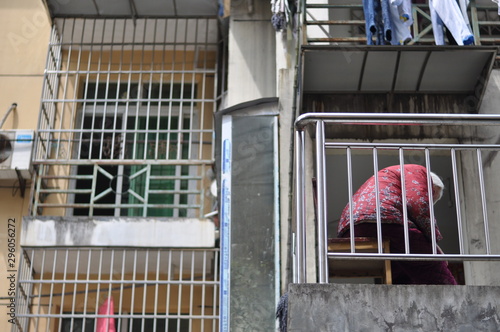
462, 150
342, 23
125, 134
340, 73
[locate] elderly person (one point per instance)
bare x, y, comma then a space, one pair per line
364, 218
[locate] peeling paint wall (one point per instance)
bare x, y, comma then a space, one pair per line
141, 232
373, 308
483, 273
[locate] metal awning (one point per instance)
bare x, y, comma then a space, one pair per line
397, 69
132, 8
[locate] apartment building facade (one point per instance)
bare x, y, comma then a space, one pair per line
162, 190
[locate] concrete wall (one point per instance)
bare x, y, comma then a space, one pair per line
252, 69
374, 308
483, 273
140, 232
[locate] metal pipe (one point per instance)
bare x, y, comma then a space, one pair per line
300, 252
321, 199
12, 107
403, 196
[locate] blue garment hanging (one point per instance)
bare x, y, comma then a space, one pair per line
378, 21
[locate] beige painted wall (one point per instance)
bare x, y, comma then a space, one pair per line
24, 38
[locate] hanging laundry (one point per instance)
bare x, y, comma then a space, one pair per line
378, 21
498, 3
106, 324
401, 21
279, 17
448, 13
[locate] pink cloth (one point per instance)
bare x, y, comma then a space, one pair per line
106, 324
364, 207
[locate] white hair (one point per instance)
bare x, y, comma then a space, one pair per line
439, 185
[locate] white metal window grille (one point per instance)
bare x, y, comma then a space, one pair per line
126, 121
468, 143
66, 289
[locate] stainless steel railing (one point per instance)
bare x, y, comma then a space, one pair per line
468, 144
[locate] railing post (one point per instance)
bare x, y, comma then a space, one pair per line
321, 195
300, 248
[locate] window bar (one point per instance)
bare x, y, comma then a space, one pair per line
168, 286
145, 289
147, 191
63, 287
157, 278
191, 291
121, 137
431, 200
110, 284
191, 95
75, 285
75, 51
203, 291
213, 96
159, 65
152, 78
114, 125
180, 126
31, 293
121, 297
215, 291
377, 199
350, 194
172, 80
39, 183
28, 275
105, 83
138, 98
39, 300
457, 200
85, 97
483, 201
129, 97
86, 291
98, 284
142, 82
74, 113
65, 79
114, 135
202, 123
161, 92
22, 297
132, 295
93, 190
46, 107
94, 103
52, 282
53, 87
403, 196
180, 287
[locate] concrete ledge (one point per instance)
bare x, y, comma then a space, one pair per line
401, 308
135, 232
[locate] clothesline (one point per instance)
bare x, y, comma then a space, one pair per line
389, 21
